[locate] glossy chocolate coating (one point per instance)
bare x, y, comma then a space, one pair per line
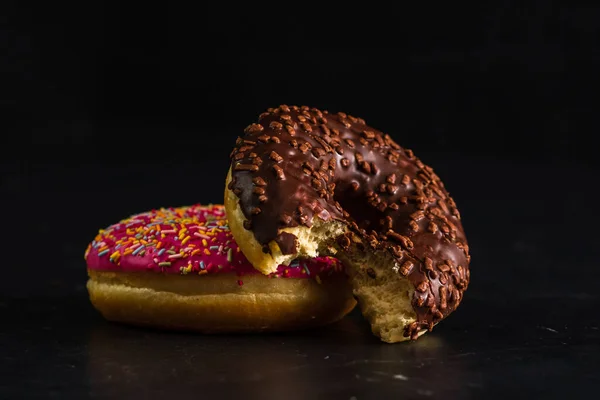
297, 164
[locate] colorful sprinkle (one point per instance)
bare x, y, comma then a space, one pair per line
185, 239
138, 250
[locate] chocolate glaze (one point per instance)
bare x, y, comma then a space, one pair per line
297, 163
287, 242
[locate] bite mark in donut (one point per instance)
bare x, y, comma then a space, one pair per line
339, 187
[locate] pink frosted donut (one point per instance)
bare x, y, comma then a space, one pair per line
180, 268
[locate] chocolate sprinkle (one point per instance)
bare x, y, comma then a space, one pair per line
275, 157
253, 128
258, 181
275, 125
285, 219
256, 210
246, 167
388, 198
406, 268
278, 171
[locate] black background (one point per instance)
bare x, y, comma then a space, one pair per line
112, 110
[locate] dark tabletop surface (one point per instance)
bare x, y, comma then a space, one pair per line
529, 324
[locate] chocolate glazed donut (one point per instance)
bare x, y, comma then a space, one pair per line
301, 177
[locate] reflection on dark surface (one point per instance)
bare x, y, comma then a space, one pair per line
341, 359
59, 345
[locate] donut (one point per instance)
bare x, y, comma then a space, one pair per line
180, 268
308, 183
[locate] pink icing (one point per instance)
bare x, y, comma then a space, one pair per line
184, 240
